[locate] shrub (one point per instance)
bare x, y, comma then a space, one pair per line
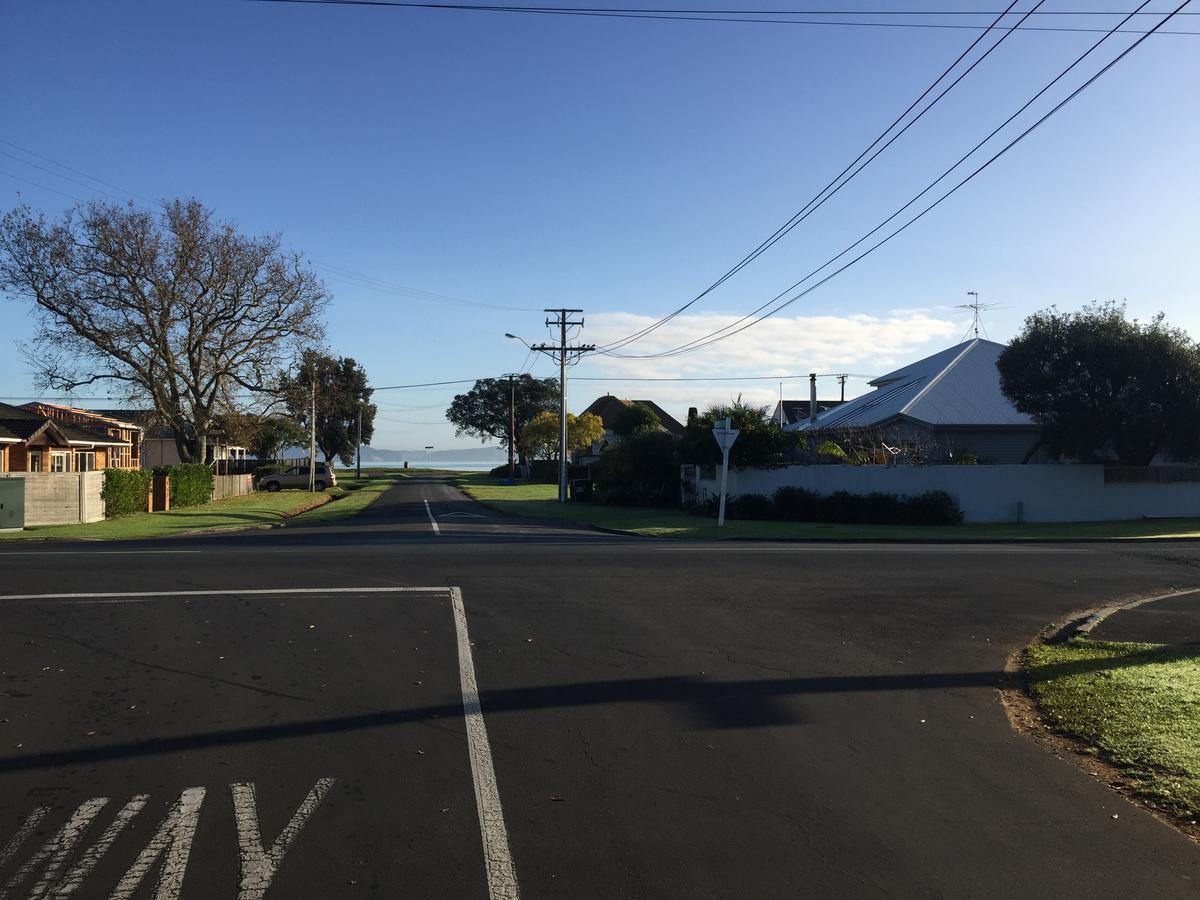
842, 507
640, 471
191, 484
750, 506
543, 470
125, 491
501, 471
883, 509
796, 504
931, 508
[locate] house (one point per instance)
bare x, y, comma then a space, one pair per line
31, 442
609, 408
950, 401
793, 412
123, 456
158, 447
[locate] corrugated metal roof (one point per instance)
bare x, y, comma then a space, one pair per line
959, 386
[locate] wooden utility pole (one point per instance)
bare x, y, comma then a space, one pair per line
563, 355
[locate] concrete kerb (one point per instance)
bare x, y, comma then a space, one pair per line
1083, 626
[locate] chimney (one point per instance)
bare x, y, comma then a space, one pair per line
812, 399
693, 415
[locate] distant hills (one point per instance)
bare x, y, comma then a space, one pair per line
464, 454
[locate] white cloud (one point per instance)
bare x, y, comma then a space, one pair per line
862, 345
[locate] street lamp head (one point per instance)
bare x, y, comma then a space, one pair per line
512, 336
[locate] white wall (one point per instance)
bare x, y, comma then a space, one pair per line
1047, 493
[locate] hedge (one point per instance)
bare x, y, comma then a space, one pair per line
191, 484
125, 491
794, 504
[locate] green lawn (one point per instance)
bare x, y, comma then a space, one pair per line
541, 500
233, 512
1137, 705
347, 499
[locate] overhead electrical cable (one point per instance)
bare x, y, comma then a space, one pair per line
841, 179
730, 330
706, 16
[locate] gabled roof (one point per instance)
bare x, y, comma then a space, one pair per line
62, 413
25, 425
958, 387
609, 407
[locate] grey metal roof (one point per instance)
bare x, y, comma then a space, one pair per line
959, 386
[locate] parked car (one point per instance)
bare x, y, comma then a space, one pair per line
297, 477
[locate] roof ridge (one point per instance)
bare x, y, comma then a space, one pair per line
938, 377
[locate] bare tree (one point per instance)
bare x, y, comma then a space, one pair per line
184, 311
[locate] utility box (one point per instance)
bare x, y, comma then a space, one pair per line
12, 504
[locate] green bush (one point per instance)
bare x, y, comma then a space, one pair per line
640, 471
125, 491
796, 504
191, 484
501, 471
750, 506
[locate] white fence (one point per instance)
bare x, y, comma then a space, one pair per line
1031, 493
62, 498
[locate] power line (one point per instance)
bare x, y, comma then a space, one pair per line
705, 16
818, 199
723, 378
717, 335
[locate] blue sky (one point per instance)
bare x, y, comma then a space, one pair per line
616, 166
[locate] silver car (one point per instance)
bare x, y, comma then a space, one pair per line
297, 477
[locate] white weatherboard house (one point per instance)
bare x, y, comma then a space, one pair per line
952, 398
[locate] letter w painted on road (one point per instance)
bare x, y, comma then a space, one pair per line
172, 843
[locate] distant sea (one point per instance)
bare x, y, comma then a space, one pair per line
473, 465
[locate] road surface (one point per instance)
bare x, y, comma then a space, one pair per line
293, 713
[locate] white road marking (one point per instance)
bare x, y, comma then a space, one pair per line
497, 857
464, 515
255, 592
88, 859
174, 838
258, 866
432, 520
55, 852
94, 552
27, 828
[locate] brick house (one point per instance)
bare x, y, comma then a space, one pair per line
31, 442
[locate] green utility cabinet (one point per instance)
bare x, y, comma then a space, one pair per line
12, 504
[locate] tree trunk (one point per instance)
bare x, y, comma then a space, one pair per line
202, 445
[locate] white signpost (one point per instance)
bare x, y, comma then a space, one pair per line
725, 437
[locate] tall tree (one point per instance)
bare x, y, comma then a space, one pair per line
635, 419
181, 309
541, 435
339, 387
482, 412
1104, 388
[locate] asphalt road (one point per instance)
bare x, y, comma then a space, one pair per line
273, 714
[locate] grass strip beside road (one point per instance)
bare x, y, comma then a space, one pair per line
257, 510
535, 499
232, 512
1136, 705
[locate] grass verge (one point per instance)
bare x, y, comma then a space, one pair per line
1137, 706
232, 512
353, 495
540, 500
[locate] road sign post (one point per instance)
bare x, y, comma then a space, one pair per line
725, 436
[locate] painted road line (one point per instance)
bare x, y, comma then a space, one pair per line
54, 854
174, 839
497, 857
253, 592
257, 864
73, 880
27, 828
6, 552
432, 520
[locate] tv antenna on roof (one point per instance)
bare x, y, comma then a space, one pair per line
978, 310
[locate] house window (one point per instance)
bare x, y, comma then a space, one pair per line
58, 462
85, 461
35, 461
